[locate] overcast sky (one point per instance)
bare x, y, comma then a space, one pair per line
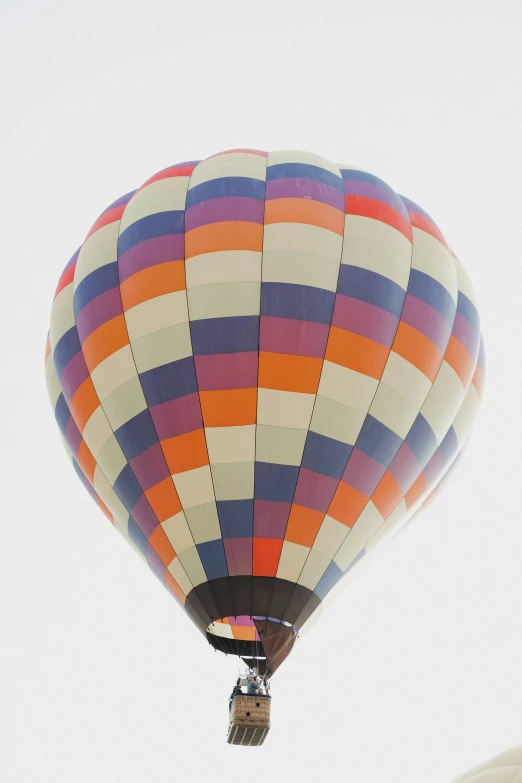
415, 673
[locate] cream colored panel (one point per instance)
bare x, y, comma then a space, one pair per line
114, 371
111, 459
160, 196
280, 445
443, 401
335, 420
97, 431
364, 529
378, 258
62, 315
284, 409
231, 164
392, 410
178, 532
221, 629
179, 574
315, 566
99, 249
119, 513
233, 481
53, 385
466, 415
292, 560
168, 345
102, 486
299, 156
194, 487
223, 300
464, 283
406, 379
330, 536
376, 232
432, 258
191, 562
124, 403
304, 238
231, 444
300, 268
203, 522
223, 266
390, 526
156, 314
347, 386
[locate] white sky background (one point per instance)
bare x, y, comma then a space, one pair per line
415, 673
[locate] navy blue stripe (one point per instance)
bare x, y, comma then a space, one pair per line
303, 171
371, 287
328, 580
67, 346
275, 482
301, 302
421, 440
62, 413
169, 381
137, 536
325, 455
136, 435
127, 488
468, 310
158, 225
236, 518
378, 441
433, 293
212, 556
449, 446
98, 282
226, 186
225, 335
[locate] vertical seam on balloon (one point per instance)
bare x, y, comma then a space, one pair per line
139, 379
257, 395
204, 427
312, 414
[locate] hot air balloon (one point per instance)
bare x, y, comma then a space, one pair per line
261, 365
504, 768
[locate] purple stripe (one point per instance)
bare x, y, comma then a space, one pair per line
357, 187
354, 315
144, 516
305, 188
99, 310
426, 320
362, 472
270, 518
238, 552
291, 336
405, 467
466, 334
242, 620
314, 490
150, 467
157, 250
73, 436
226, 371
433, 470
216, 210
176, 417
74, 374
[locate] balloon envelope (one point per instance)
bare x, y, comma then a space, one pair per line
504, 768
261, 365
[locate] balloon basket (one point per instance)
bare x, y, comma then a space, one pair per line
249, 720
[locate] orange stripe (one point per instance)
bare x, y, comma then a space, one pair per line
86, 461
267, 552
104, 341
303, 525
387, 495
418, 350
162, 546
356, 352
302, 210
289, 373
105, 510
185, 452
347, 504
227, 235
244, 633
458, 357
164, 499
229, 408
84, 403
479, 379
175, 588
151, 282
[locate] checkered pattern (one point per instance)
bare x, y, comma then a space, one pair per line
261, 366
